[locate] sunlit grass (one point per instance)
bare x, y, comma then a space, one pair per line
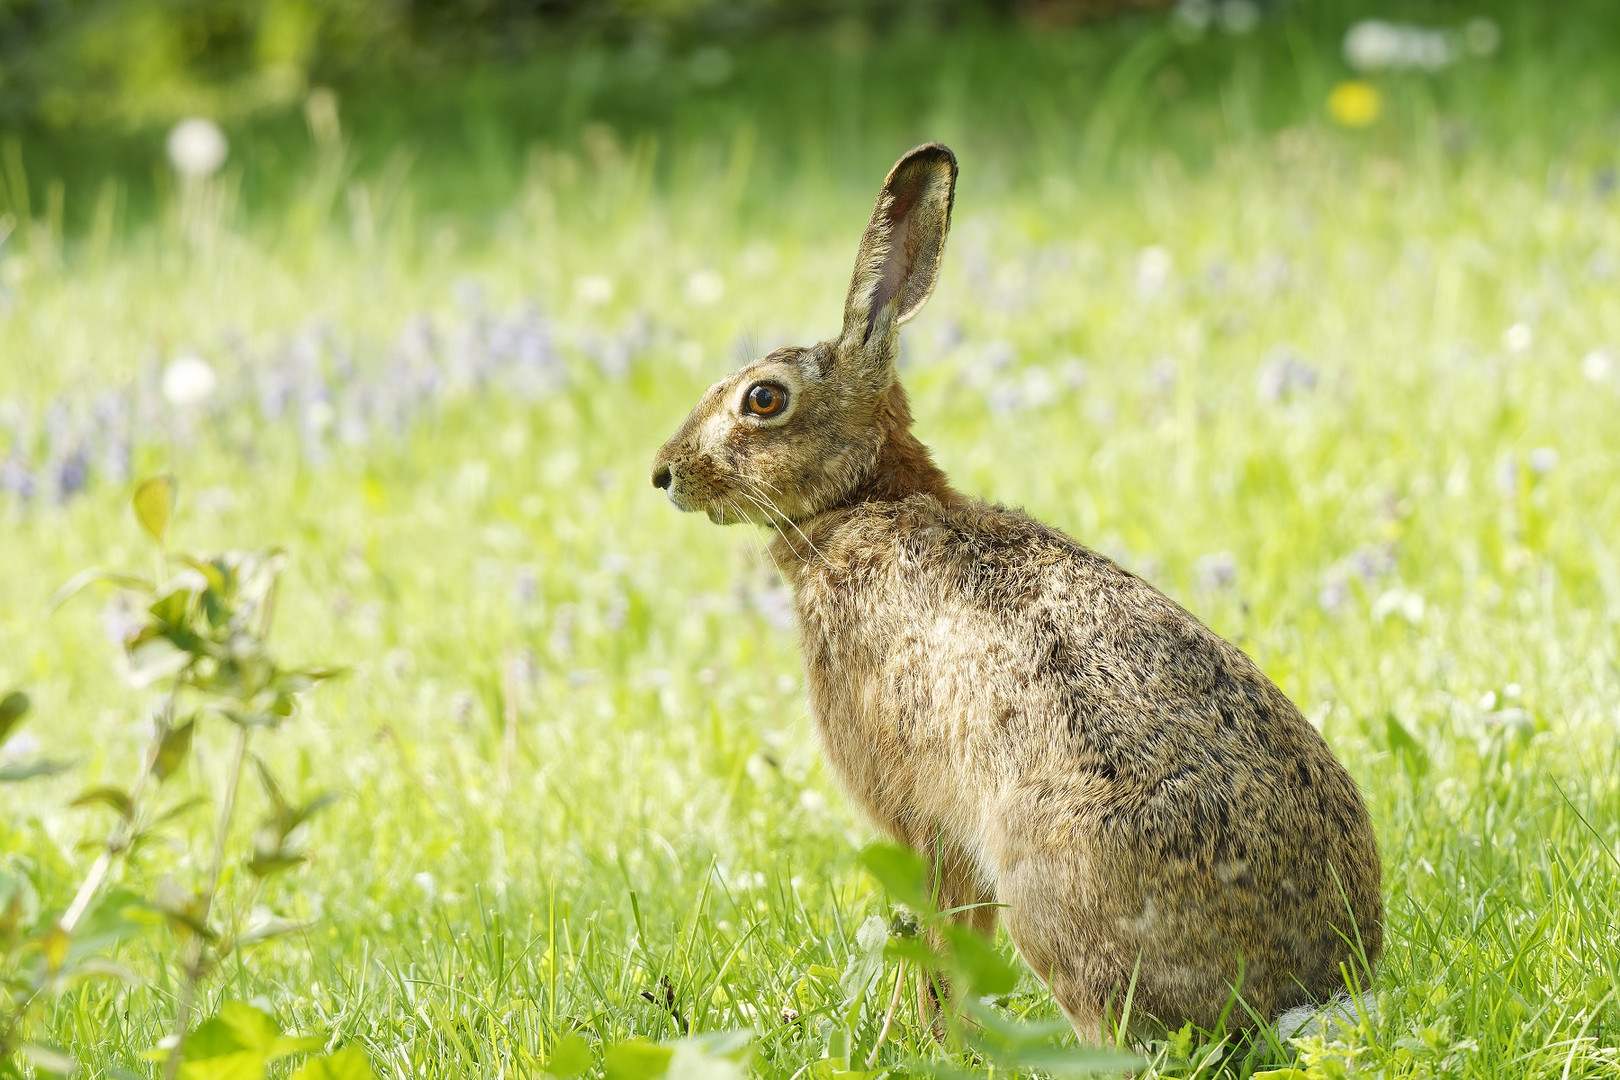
1339, 401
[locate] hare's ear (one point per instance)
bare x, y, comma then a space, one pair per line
901, 248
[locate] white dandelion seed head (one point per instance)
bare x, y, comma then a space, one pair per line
705, 287
1153, 266
1377, 45
593, 290
1598, 366
188, 381
1518, 337
197, 147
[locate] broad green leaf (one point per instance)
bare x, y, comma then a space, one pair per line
117, 914
238, 1043
917, 950
154, 659
985, 971
173, 750
637, 1060
154, 506
115, 797
901, 871
865, 965
172, 608
570, 1057
27, 770
265, 927
268, 863
1282, 1074
349, 1063
212, 570
13, 707
85, 578
1407, 750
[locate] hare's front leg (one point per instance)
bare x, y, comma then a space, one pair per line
955, 883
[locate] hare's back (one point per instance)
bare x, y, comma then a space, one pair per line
1119, 707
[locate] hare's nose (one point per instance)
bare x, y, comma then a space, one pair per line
662, 477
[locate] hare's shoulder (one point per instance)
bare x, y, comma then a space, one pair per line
1111, 645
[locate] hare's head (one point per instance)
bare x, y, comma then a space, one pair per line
801, 429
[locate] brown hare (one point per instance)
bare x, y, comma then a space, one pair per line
1069, 747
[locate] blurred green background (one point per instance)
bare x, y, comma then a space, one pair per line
1307, 312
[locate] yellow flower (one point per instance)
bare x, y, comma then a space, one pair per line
1354, 103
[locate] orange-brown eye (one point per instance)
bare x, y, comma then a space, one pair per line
766, 400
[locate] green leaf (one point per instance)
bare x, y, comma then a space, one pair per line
570, 1057
154, 659
13, 707
47, 1059
865, 965
117, 798
901, 871
266, 927
211, 570
154, 506
1407, 750
85, 578
171, 609
268, 863
117, 914
917, 950
238, 1043
637, 1060
27, 770
349, 1063
985, 971
173, 750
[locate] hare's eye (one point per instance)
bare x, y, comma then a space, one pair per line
765, 400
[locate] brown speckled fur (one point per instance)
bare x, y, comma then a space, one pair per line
1060, 737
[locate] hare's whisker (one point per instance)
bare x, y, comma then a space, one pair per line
777, 511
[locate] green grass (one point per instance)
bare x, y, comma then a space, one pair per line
1393, 544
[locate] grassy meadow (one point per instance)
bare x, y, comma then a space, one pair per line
1349, 394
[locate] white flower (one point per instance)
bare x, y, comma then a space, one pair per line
1543, 460
1598, 365
594, 289
1153, 266
425, 882
1518, 337
705, 287
1401, 602
1374, 45
197, 148
188, 381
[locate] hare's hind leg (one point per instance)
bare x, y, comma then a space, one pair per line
956, 884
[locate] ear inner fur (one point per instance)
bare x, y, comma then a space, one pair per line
900, 251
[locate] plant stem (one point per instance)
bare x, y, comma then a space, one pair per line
192, 972
888, 1018
118, 839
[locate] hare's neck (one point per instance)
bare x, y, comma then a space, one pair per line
903, 467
